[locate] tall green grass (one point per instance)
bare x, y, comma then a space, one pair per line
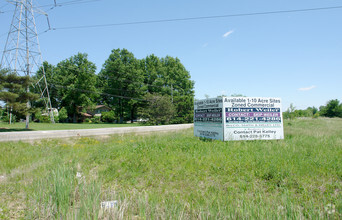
64, 195
177, 175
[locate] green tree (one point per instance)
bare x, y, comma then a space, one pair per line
332, 109
159, 109
108, 116
168, 77
184, 112
290, 113
237, 95
153, 72
126, 80
51, 79
76, 88
63, 115
14, 92
314, 110
2, 112
122, 78
182, 89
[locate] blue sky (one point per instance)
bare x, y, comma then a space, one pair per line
294, 56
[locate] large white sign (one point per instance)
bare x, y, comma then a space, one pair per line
239, 118
252, 118
208, 118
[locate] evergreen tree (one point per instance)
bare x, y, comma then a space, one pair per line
159, 110
14, 92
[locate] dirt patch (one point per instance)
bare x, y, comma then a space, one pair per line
21, 170
2, 178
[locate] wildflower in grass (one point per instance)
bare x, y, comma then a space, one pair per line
280, 208
330, 209
78, 175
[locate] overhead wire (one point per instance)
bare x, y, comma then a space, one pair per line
2, 12
4, 34
175, 19
94, 92
127, 80
199, 18
3, 5
52, 7
75, 2
113, 89
180, 19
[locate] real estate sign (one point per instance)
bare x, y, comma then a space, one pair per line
239, 118
208, 118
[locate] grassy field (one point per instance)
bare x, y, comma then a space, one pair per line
177, 176
20, 126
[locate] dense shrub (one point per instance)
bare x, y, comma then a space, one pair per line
108, 117
63, 115
96, 119
332, 109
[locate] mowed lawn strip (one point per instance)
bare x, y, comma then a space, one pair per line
177, 175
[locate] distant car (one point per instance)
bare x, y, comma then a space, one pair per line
142, 120
54, 110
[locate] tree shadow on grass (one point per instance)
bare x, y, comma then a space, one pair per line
14, 129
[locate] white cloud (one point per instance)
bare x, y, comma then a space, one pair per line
228, 33
307, 88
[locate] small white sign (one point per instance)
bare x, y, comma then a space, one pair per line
109, 204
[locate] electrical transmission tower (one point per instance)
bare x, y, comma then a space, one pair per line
22, 53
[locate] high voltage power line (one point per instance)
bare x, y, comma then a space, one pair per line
70, 3
48, 5
22, 53
200, 18
113, 89
127, 80
3, 5
157, 21
176, 19
55, 5
94, 92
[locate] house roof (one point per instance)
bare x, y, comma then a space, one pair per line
100, 106
86, 114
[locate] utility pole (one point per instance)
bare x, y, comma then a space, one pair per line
171, 93
22, 53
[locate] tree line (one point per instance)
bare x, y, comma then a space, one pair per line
333, 108
158, 89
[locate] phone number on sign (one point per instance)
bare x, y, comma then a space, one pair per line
256, 136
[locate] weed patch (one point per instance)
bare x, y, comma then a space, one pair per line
177, 175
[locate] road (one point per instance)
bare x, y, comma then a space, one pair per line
36, 135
